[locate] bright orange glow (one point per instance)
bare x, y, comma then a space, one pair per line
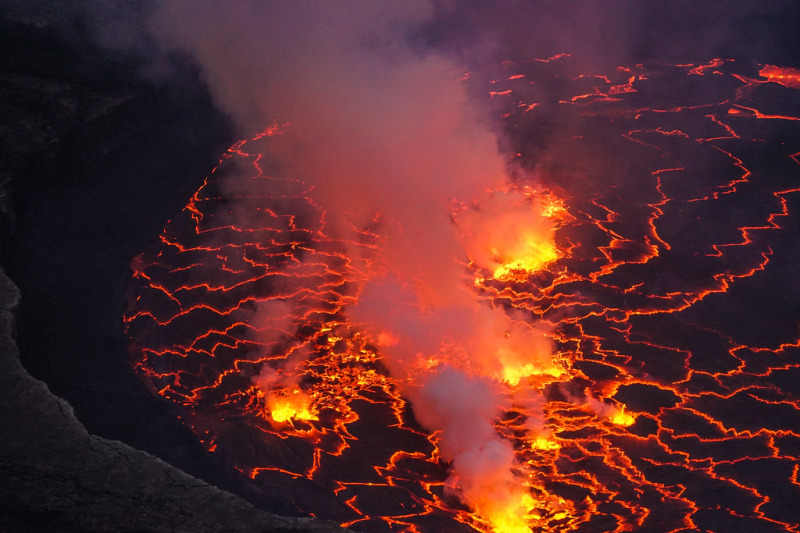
294, 405
621, 418
529, 254
544, 443
789, 77
512, 234
587, 318
513, 375
552, 207
512, 516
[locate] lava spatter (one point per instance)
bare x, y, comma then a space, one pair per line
661, 281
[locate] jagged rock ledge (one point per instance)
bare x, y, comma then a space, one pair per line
58, 477
67, 111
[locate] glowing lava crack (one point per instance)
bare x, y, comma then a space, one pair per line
601, 367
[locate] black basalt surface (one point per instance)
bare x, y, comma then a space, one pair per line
93, 160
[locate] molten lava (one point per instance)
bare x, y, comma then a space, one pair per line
512, 236
597, 368
292, 405
789, 77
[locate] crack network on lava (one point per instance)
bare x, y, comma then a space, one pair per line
671, 402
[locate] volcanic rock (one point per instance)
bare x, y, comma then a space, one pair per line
75, 121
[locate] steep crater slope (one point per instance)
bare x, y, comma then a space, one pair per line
94, 159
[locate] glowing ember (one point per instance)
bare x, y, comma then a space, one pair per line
622, 418
578, 369
294, 405
513, 374
790, 77
513, 517
542, 443
517, 242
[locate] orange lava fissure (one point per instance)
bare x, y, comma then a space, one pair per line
671, 403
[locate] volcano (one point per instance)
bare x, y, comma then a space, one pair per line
436, 286
664, 404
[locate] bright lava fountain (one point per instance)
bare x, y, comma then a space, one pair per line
668, 288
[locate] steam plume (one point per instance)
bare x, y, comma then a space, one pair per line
381, 130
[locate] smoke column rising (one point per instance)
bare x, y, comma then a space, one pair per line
386, 133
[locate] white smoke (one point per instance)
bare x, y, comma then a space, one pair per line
381, 129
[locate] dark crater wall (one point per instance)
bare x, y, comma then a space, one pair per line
93, 160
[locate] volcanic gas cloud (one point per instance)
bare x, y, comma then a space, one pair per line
372, 249
387, 140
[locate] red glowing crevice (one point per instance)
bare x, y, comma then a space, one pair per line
644, 420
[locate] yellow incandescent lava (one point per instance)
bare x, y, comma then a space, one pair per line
621, 418
533, 254
512, 518
544, 443
512, 234
514, 374
533, 248
294, 405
